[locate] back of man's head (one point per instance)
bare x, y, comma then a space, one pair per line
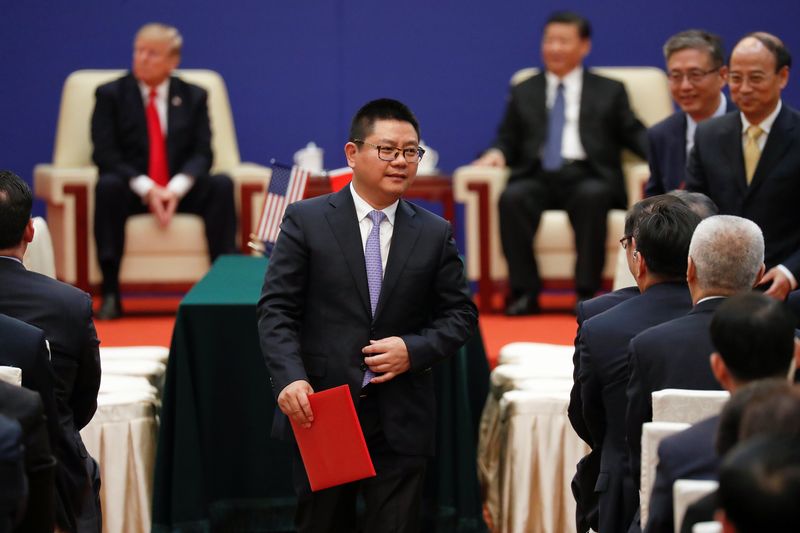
381, 109
663, 234
733, 413
754, 336
759, 485
16, 201
727, 252
697, 202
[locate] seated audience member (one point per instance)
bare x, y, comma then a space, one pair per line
152, 147
759, 486
586, 511
748, 163
562, 135
697, 73
25, 347
764, 407
64, 314
657, 253
37, 514
753, 338
726, 257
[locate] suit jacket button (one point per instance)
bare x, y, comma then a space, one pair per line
364, 367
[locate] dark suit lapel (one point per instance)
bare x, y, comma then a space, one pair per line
731, 147
342, 218
779, 140
135, 106
404, 237
176, 116
588, 99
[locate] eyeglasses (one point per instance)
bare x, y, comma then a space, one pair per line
625, 241
389, 153
694, 76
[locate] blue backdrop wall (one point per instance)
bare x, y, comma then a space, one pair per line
296, 71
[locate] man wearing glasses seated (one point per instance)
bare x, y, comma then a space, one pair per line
697, 73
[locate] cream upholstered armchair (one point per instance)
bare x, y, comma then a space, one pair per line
154, 257
479, 188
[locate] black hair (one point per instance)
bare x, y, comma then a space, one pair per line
16, 202
381, 109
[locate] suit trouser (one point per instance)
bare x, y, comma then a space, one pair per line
211, 197
587, 200
392, 498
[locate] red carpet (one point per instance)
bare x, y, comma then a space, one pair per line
149, 321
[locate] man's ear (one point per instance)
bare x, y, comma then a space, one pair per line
350, 150
720, 371
27, 235
691, 270
761, 272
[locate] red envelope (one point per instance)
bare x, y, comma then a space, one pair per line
333, 449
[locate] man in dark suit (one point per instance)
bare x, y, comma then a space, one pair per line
749, 162
697, 73
64, 313
152, 147
25, 406
726, 257
366, 289
562, 135
657, 253
753, 338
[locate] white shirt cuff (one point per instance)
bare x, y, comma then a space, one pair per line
788, 274
180, 184
141, 185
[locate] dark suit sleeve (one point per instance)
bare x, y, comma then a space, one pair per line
107, 152
87, 379
631, 132
280, 308
639, 410
655, 184
454, 315
695, 175
510, 132
41, 379
575, 409
199, 162
591, 390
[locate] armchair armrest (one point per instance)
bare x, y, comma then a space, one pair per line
70, 207
250, 180
479, 189
636, 176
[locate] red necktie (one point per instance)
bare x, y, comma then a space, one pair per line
158, 169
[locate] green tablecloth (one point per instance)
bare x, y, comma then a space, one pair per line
217, 469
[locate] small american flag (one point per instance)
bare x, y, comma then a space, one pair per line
287, 185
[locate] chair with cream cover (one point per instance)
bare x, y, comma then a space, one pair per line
39, 253
174, 257
687, 491
652, 434
479, 188
688, 406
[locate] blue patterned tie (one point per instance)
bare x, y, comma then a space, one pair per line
551, 159
372, 258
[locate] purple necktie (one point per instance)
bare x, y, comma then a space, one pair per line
372, 258
551, 158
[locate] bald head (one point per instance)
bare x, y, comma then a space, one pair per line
759, 71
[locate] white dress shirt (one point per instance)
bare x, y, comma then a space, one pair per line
571, 146
180, 183
691, 124
365, 224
